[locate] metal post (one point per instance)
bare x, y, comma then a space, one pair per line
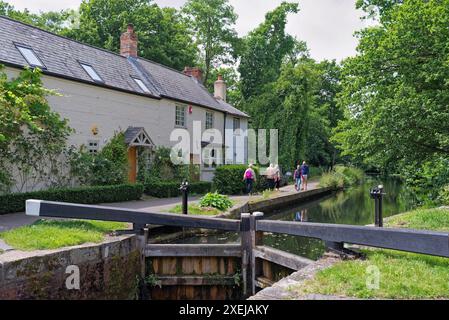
185, 195
377, 194
380, 221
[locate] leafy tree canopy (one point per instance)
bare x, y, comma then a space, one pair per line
396, 90
212, 22
264, 50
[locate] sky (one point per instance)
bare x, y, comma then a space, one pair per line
327, 26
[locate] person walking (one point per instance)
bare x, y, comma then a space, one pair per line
277, 177
249, 177
305, 175
270, 176
297, 177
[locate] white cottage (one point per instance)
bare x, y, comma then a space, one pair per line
103, 92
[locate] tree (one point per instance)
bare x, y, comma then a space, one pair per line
54, 21
327, 114
395, 91
212, 22
163, 35
265, 49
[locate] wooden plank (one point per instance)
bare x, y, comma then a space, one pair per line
78, 211
281, 258
196, 280
266, 269
193, 250
263, 282
419, 241
187, 265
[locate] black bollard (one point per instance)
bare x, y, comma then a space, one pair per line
377, 194
185, 195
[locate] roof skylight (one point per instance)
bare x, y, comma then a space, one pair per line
91, 72
30, 56
142, 85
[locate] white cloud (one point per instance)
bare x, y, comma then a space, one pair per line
326, 25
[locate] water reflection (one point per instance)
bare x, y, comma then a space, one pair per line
352, 206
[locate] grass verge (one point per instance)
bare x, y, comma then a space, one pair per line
402, 275
53, 234
195, 209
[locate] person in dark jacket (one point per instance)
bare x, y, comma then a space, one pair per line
305, 175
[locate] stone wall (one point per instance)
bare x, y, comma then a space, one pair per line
109, 270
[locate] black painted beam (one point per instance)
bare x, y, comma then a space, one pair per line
78, 211
418, 241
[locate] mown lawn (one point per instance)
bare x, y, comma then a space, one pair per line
195, 209
402, 275
53, 234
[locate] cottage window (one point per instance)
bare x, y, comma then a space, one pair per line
209, 120
236, 126
142, 85
91, 72
30, 56
180, 117
209, 158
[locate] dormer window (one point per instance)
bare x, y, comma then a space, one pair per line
30, 56
91, 72
141, 85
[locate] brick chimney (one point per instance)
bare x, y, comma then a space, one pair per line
220, 88
128, 42
194, 72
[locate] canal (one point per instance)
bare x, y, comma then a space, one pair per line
351, 206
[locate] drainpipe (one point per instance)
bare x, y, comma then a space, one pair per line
224, 139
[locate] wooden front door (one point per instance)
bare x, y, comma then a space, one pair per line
132, 164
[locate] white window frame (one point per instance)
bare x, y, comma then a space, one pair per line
91, 72
180, 116
210, 119
141, 85
27, 53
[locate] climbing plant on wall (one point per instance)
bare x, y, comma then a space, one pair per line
31, 135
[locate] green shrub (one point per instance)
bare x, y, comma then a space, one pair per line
332, 180
15, 202
443, 196
216, 200
228, 179
108, 167
341, 177
168, 189
351, 175
427, 180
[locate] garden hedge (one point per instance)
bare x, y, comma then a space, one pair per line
168, 189
15, 202
229, 180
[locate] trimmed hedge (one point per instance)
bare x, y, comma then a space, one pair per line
229, 180
168, 189
15, 202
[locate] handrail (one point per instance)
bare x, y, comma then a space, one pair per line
78, 211
418, 241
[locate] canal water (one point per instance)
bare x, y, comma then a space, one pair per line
351, 206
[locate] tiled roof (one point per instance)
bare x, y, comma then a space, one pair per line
62, 56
